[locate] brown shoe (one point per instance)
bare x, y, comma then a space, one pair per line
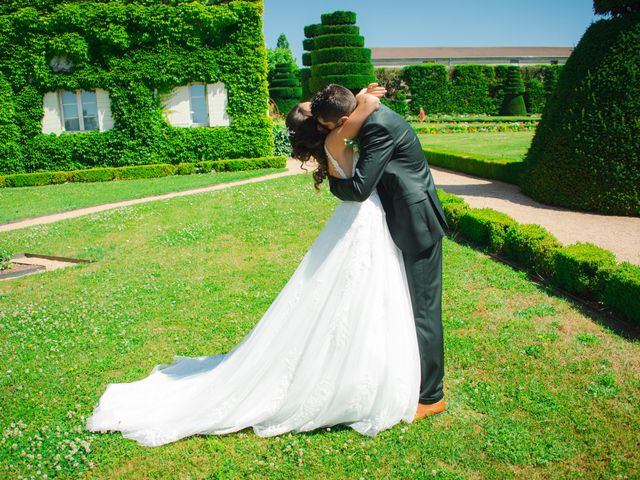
424, 410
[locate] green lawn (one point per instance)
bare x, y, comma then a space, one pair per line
535, 387
18, 203
508, 147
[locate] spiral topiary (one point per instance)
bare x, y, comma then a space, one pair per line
336, 53
586, 151
285, 88
513, 103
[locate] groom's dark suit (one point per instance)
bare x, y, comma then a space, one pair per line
392, 161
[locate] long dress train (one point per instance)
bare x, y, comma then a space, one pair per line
337, 346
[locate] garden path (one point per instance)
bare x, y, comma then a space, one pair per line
619, 234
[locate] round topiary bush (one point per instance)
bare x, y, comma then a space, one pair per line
285, 88
586, 151
513, 103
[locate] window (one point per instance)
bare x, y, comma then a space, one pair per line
199, 110
79, 110
554, 62
515, 61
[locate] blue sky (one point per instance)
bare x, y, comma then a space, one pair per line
438, 23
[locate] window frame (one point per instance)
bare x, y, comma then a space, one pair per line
78, 94
206, 104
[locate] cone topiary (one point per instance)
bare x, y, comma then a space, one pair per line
586, 151
336, 53
513, 103
285, 88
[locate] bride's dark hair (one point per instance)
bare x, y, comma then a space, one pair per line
307, 142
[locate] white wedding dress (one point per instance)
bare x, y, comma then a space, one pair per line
337, 346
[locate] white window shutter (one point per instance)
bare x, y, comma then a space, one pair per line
217, 101
105, 120
52, 118
176, 107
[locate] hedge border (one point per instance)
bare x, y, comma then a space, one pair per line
506, 172
582, 269
141, 171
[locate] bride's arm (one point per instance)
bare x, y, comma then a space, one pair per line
335, 141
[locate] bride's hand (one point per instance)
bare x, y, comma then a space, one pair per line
373, 89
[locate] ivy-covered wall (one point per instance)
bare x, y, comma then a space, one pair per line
129, 48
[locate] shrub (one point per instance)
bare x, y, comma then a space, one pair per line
453, 211
586, 151
621, 290
532, 246
285, 88
513, 103
446, 197
93, 175
469, 89
338, 18
337, 53
145, 171
282, 145
185, 169
429, 88
324, 69
338, 40
578, 268
487, 168
311, 31
5, 257
28, 179
342, 55
486, 227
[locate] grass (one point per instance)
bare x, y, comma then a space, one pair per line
535, 387
26, 202
503, 147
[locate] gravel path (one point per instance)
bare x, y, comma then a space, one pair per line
621, 235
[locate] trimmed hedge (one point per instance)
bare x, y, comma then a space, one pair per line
352, 82
342, 69
585, 154
142, 171
532, 246
582, 268
622, 290
338, 40
513, 103
474, 88
341, 54
486, 227
306, 59
506, 172
311, 31
577, 268
337, 53
147, 46
338, 18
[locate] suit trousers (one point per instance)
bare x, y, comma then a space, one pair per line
424, 276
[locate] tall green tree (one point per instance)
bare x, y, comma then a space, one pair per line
281, 54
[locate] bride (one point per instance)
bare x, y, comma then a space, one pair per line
337, 346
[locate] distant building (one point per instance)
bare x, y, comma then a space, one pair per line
403, 56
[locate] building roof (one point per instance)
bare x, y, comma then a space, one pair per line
468, 52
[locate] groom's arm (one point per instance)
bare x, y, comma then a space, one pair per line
376, 149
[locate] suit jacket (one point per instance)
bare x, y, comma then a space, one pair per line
392, 161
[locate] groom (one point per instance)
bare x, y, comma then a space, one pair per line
392, 161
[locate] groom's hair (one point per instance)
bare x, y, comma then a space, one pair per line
332, 102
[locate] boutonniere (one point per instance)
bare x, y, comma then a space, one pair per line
352, 143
